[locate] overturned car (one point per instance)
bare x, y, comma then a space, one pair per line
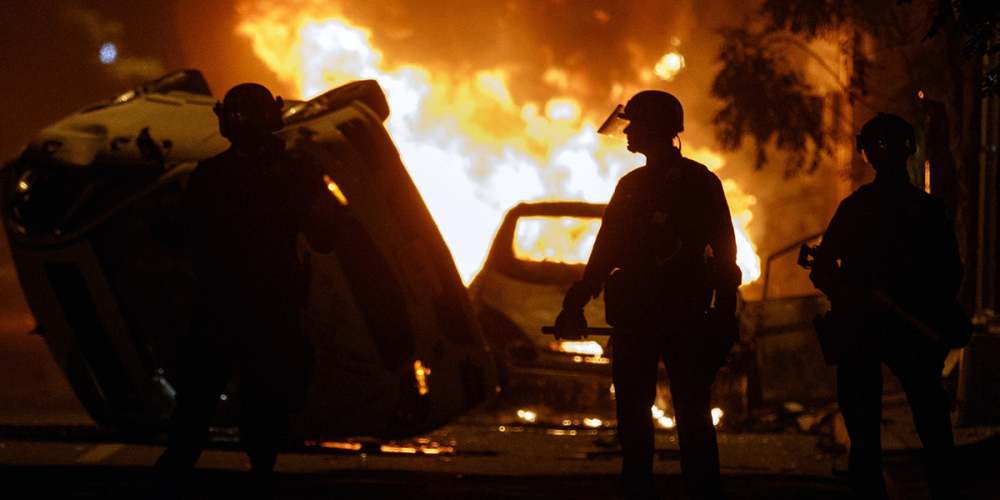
398, 351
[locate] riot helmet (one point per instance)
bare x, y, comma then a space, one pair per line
248, 110
889, 134
649, 108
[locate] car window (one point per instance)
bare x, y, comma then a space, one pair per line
555, 239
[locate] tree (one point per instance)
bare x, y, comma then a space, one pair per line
750, 83
767, 98
978, 21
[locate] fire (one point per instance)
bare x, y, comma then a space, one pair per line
669, 422
581, 347
669, 65
527, 415
472, 151
562, 239
421, 373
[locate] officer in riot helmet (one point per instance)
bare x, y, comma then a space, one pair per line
890, 265
886, 141
248, 112
242, 211
665, 257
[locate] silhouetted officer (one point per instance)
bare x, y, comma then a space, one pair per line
243, 211
898, 266
666, 247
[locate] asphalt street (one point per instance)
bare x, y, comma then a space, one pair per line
50, 449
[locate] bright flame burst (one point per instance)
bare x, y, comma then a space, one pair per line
669, 65
581, 347
669, 423
472, 152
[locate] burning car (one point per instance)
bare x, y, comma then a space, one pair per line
398, 349
540, 249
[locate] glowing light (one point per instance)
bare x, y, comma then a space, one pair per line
22, 182
716, 416
592, 422
421, 373
527, 415
410, 449
597, 360
341, 446
560, 432
335, 189
927, 176
661, 418
579, 347
125, 97
391, 448
437, 450
669, 65
108, 53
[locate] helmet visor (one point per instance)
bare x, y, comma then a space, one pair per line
615, 125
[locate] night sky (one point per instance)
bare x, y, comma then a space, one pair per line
51, 65
51, 54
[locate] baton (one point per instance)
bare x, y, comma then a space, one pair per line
590, 330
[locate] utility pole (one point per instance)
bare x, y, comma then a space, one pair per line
978, 396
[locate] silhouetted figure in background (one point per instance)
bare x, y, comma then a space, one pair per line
243, 211
899, 271
665, 248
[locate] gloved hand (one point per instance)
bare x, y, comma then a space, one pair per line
826, 276
570, 324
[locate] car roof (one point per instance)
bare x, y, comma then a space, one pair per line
555, 209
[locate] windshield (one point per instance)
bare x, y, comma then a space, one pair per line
566, 240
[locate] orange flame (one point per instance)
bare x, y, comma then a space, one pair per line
560, 239
471, 150
669, 65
